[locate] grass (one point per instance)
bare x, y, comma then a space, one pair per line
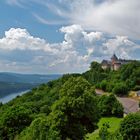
113, 122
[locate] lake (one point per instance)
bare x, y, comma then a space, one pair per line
12, 96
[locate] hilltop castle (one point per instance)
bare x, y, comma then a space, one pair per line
115, 63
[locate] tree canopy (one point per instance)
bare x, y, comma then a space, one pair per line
68, 108
130, 127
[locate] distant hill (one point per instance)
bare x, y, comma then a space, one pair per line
26, 78
13, 82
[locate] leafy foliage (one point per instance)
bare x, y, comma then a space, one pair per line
130, 127
14, 120
68, 108
120, 82
110, 106
38, 130
96, 74
120, 89
103, 132
77, 109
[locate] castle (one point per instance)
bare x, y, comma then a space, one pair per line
115, 63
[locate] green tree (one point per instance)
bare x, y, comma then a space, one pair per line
39, 130
13, 121
45, 109
77, 109
96, 74
110, 106
96, 66
103, 85
130, 127
127, 70
120, 89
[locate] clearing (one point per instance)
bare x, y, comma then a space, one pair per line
113, 122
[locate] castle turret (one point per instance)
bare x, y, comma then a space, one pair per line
114, 58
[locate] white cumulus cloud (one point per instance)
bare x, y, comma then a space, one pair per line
22, 52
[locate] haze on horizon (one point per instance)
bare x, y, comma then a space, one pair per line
64, 36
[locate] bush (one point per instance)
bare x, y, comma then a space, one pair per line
45, 109
105, 134
38, 130
110, 106
103, 85
110, 86
130, 127
13, 121
120, 89
97, 86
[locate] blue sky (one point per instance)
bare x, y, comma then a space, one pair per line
64, 36
13, 16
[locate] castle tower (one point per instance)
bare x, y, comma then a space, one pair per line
114, 60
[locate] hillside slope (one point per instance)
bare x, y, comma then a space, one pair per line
12, 82
26, 78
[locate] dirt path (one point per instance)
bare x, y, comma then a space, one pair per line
130, 105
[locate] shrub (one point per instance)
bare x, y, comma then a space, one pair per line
13, 121
130, 127
103, 85
110, 86
120, 89
110, 106
38, 130
97, 86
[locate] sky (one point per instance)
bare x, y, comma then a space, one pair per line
65, 36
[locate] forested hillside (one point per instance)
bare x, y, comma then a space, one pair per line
13, 82
27, 78
68, 108
120, 82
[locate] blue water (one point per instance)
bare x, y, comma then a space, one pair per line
12, 96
